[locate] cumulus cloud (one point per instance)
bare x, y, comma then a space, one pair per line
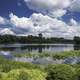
58, 13
75, 6
38, 23
3, 20
6, 31
73, 22
49, 7
23, 23
54, 8
46, 21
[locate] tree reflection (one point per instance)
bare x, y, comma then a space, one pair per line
76, 46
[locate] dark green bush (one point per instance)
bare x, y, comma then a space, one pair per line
78, 73
60, 72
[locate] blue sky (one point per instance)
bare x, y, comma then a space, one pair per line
54, 18
18, 7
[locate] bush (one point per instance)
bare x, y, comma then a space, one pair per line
24, 74
78, 73
2, 75
60, 72
6, 65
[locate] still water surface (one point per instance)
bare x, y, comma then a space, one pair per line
6, 51
25, 48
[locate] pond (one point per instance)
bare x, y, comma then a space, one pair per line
26, 48
7, 50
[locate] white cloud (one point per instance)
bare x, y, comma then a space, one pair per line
46, 21
2, 20
54, 8
49, 7
58, 13
38, 23
23, 22
6, 31
75, 6
73, 22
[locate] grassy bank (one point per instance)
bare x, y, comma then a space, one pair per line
12, 70
55, 55
15, 70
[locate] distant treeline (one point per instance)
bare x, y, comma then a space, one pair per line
31, 39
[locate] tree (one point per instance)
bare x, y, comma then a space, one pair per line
76, 40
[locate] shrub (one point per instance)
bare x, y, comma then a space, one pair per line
24, 74
78, 73
60, 72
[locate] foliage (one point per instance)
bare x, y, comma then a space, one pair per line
66, 54
6, 39
78, 73
54, 55
12, 70
7, 65
61, 72
25, 74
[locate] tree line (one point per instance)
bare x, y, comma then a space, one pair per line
31, 39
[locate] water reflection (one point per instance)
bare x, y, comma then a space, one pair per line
37, 47
76, 47
6, 50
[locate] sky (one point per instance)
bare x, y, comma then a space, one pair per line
52, 18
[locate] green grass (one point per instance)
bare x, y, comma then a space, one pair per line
66, 54
55, 55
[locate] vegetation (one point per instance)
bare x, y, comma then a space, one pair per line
77, 40
25, 74
12, 70
9, 39
7, 65
67, 54
61, 72
54, 55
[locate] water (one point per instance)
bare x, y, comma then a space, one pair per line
6, 51
26, 48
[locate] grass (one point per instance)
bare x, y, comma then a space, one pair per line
54, 55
